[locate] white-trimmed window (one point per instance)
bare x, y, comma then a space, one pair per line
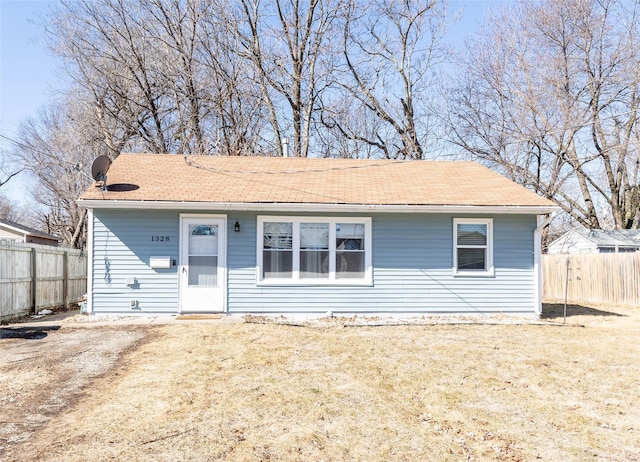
473, 247
314, 250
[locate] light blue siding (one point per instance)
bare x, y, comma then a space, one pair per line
122, 246
412, 268
412, 273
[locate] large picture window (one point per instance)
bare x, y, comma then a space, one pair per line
473, 247
313, 250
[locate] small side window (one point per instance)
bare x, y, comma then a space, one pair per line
473, 247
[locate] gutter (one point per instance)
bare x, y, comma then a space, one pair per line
537, 259
546, 221
315, 207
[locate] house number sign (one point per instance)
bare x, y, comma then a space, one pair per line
159, 238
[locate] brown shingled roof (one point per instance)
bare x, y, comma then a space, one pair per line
168, 177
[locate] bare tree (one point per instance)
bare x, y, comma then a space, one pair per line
111, 55
175, 27
235, 101
7, 175
549, 95
59, 156
10, 210
351, 131
160, 76
391, 51
196, 76
286, 41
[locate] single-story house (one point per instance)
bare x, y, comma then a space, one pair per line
11, 231
581, 240
303, 237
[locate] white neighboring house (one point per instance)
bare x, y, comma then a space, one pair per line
580, 240
11, 231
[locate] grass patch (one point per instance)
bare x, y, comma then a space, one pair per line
253, 392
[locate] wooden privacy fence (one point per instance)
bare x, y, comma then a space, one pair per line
33, 277
607, 278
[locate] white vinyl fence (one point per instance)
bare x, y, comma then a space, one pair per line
34, 277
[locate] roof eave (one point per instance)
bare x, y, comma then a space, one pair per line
14, 229
316, 207
24, 232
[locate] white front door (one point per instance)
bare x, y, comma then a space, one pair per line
203, 246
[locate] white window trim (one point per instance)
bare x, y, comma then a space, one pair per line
490, 271
367, 280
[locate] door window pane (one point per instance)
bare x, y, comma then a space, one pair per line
203, 240
203, 271
203, 255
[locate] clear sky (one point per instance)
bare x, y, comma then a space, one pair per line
29, 75
26, 67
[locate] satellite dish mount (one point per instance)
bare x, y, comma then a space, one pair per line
99, 170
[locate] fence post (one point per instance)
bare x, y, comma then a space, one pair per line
34, 280
65, 279
566, 290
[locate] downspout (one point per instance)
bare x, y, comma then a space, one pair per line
90, 262
543, 222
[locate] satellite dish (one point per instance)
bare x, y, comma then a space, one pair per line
99, 170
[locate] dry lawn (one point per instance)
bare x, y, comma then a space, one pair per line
256, 392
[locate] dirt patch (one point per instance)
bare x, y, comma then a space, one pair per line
597, 316
349, 392
45, 371
56, 312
